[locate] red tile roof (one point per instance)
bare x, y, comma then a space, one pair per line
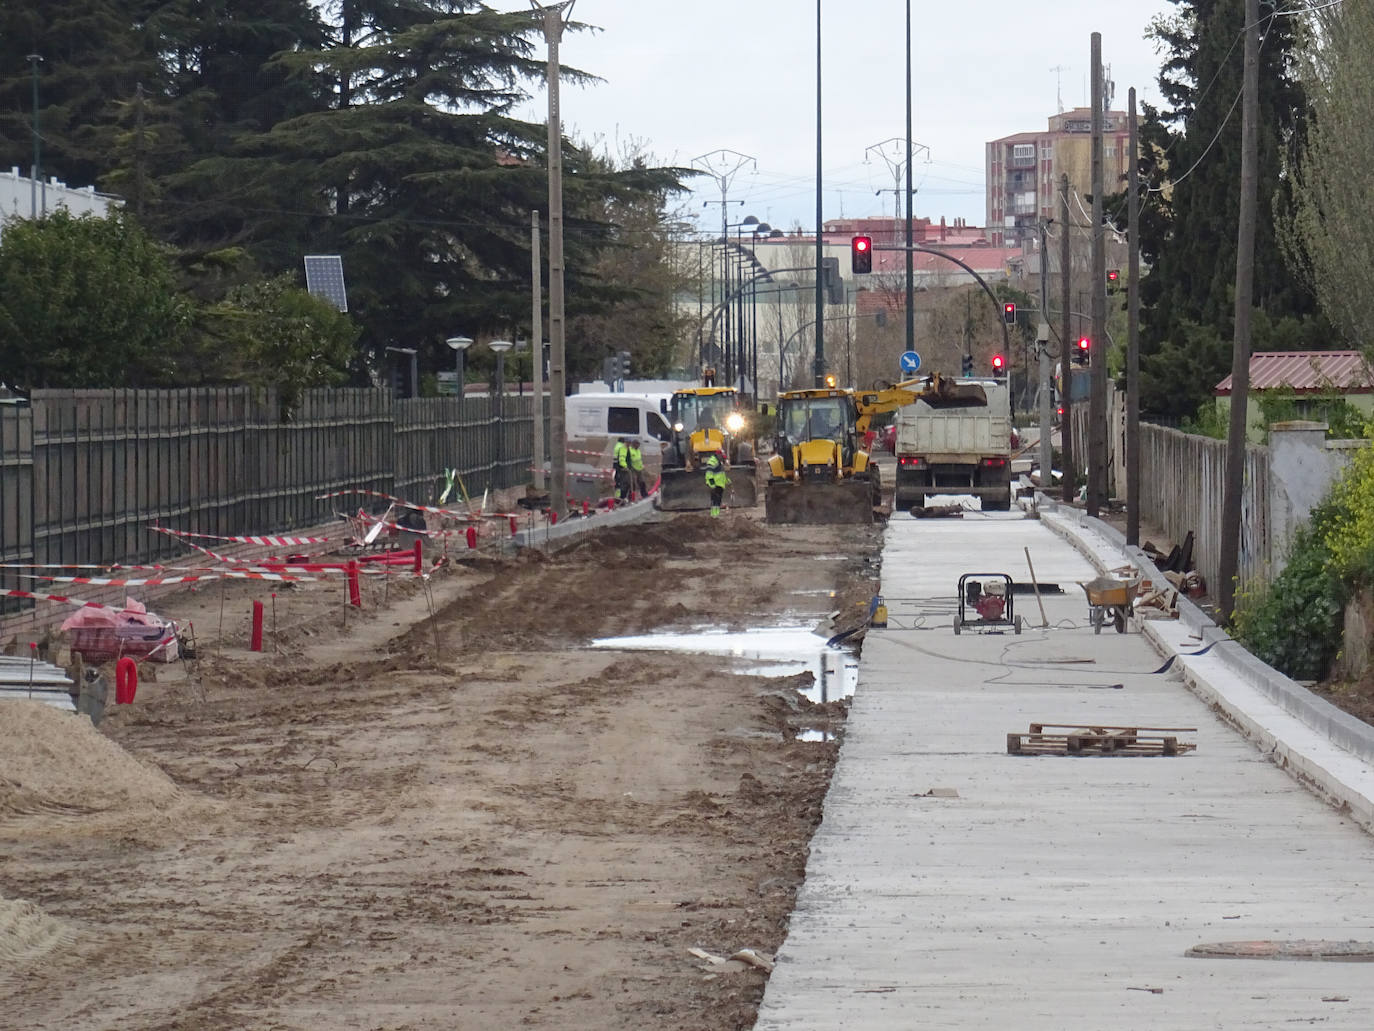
1307, 372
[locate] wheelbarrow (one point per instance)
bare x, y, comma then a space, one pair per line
1110, 598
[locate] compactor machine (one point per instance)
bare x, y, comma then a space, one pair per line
707, 420
819, 472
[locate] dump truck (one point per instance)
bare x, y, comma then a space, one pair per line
964, 450
707, 420
819, 473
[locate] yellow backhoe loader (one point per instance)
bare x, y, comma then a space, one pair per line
819, 472
707, 420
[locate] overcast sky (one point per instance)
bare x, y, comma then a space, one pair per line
692, 78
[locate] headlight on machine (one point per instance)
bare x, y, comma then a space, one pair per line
734, 422
677, 427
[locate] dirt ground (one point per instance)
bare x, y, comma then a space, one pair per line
465, 821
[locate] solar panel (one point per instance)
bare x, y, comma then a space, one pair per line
324, 278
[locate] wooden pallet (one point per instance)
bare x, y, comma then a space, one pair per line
1097, 739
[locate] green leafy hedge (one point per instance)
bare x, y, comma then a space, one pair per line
1295, 622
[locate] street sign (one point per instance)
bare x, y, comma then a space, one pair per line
911, 361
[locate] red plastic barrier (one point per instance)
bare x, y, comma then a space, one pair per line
256, 644
586, 507
419, 557
126, 681
472, 537
513, 528
355, 593
553, 517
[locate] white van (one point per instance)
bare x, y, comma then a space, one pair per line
618, 415
594, 422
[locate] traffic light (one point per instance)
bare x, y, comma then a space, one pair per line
831, 281
623, 364
999, 366
1083, 352
1113, 277
968, 365
1009, 313
861, 254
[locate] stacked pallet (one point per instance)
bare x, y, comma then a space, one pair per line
1098, 739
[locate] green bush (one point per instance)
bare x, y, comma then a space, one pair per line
1295, 622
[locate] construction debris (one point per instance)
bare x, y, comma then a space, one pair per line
1090, 739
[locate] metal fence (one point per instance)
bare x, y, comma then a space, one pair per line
85, 473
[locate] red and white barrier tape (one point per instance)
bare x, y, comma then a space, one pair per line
59, 598
102, 581
273, 542
451, 513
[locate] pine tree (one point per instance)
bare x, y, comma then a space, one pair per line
1188, 235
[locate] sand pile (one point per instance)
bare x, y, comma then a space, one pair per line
26, 933
56, 763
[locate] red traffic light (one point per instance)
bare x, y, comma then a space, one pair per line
1009, 313
1113, 275
861, 254
998, 363
1084, 344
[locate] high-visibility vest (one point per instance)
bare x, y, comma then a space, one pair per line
716, 478
622, 456
636, 458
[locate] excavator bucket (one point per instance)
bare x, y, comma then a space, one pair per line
685, 490
821, 503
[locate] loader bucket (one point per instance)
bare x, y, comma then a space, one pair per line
685, 490
844, 501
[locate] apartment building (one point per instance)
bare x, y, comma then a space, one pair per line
1023, 172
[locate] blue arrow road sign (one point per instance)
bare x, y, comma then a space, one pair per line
911, 361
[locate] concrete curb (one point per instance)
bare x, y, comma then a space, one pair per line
578, 526
1323, 747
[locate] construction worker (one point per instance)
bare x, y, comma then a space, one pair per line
716, 482
637, 469
620, 462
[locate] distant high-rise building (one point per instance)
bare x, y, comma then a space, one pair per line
1023, 172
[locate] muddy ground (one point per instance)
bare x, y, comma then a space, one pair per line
470, 821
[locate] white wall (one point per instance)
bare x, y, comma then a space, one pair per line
17, 197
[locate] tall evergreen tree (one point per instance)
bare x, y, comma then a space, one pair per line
90, 53
1192, 162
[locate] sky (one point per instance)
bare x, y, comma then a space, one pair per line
689, 79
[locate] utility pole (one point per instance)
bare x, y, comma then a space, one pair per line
554, 22
1042, 342
37, 167
1066, 459
139, 189
1097, 399
818, 367
536, 349
910, 203
1245, 288
1133, 330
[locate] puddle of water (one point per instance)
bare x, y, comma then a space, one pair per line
830, 558
816, 735
783, 651
820, 592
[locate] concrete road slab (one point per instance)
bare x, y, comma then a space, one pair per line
1048, 891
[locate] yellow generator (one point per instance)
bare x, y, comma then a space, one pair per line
707, 420
819, 472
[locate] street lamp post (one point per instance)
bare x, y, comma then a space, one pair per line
500, 347
37, 170
459, 345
